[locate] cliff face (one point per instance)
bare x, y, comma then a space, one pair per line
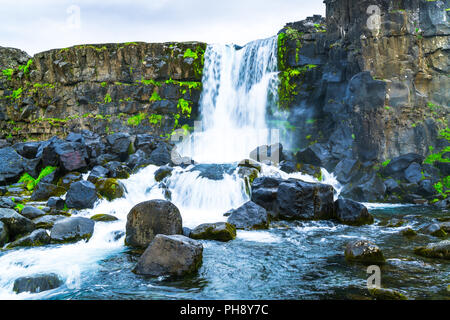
370, 81
131, 87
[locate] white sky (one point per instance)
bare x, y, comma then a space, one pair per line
35, 26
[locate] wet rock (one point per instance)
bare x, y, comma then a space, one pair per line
15, 223
119, 143
37, 283
408, 232
163, 172
56, 202
220, 231
137, 160
248, 163
96, 173
352, 213
103, 218
69, 178
426, 188
174, 255
346, 170
28, 149
187, 231
43, 191
392, 186
110, 188
117, 170
397, 166
265, 191
386, 294
440, 250
81, 195
160, 156
11, 165
70, 156
146, 143
317, 155
364, 251
413, 173
47, 221
72, 230
6, 202
434, 230
394, 223
32, 212
94, 146
249, 216
37, 238
3, 234
147, 219
103, 159
370, 188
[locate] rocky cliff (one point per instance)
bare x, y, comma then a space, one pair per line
366, 84
131, 87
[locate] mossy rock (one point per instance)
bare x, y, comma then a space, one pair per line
409, 232
365, 252
68, 179
387, 294
221, 231
163, 172
104, 218
440, 250
35, 239
44, 191
110, 188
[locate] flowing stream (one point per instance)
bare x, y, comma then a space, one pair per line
292, 260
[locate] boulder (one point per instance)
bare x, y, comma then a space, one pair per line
145, 142
119, 143
37, 238
392, 186
220, 231
317, 155
47, 221
94, 145
369, 189
56, 202
249, 216
265, 191
397, 166
72, 230
163, 172
440, 250
32, 212
364, 251
433, 229
160, 156
408, 232
346, 170
43, 191
81, 195
11, 165
117, 170
70, 156
174, 255
69, 178
386, 294
15, 223
413, 173
352, 213
4, 238
37, 283
103, 218
110, 188
96, 173
147, 219
137, 160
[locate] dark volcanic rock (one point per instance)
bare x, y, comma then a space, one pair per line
160, 156
11, 165
56, 202
43, 191
249, 216
98, 172
117, 170
352, 213
220, 231
264, 192
397, 166
119, 143
110, 188
32, 212
81, 195
69, 178
72, 230
37, 238
147, 219
174, 255
47, 221
365, 252
15, 223
3, 234
37, 283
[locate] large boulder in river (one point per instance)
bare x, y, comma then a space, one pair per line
16, 224
174, 255
81, 195
220, 231
72, 230
249, 216
147, 219
440, 250
352, 213
37, 238
11, 165
364, 251
37, 283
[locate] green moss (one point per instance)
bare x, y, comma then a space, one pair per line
190, 54
109, 188
30, 182
155, 119
136, 120
185, 107
8, 73
150, 82
107, 98
155, 97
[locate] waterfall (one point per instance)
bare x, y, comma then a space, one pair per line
238, 85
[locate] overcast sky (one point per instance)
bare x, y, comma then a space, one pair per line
36, 26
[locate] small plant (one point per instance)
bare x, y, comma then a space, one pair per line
155, 119
155, 97
26, 67
136, 120
108, 98
8, 73
185, 107
30, 182
190, 54
385, 163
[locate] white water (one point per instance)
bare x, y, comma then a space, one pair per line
233, 105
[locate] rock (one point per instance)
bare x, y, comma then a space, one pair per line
317, 155
37, 238
94, 146
397, 166
161, 173
119, 143
386, 294
37, 283
346, 170
11, 165
408, 232
70, 156
137, 160
43, 191
445, 226
160, 156
15, 223
352, 213
110, 188
265, 192
6, 202
118, 170
426, 188
174, 255
47, 221
28, 149
96, 173
365, 252
147, 219
70, 178
248, 163
4, 238
32, 212
187, 231
72, 230
440, 250
145, 142
103, 218
56, 202
369, 189
392, 186
413, 173
81, 195
220, 231
249, 216
434, 230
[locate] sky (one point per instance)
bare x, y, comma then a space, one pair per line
36, 26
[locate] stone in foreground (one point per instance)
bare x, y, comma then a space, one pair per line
386, 294
440, 250
365, 252
81, 195
37, 283
16, 224
72, 230
249, 216
174, 255
352, 213
37, 238
147, 219
220, 231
